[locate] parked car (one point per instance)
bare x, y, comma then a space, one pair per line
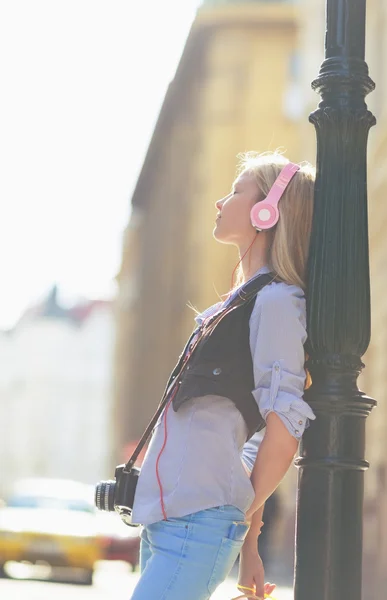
51, 522
120, 542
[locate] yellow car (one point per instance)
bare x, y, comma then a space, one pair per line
51, 522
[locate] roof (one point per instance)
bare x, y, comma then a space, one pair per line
50, 308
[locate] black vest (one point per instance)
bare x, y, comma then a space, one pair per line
221, 363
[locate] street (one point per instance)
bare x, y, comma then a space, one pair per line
111, 581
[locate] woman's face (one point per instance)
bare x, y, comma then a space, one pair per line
233, 224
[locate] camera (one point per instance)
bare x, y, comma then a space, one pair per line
118, 494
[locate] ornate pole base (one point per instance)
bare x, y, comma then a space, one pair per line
330, 498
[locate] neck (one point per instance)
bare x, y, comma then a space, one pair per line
256, 257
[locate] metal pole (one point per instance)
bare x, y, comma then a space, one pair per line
331, 463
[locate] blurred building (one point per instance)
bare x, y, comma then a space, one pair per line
226, 97
243, 83
55, 392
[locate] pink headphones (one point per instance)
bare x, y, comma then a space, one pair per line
265, 214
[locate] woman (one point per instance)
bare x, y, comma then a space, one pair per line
203, 484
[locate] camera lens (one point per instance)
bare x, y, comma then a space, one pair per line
104, 495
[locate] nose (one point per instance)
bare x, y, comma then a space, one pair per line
219, 204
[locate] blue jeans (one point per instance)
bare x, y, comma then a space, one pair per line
187, 558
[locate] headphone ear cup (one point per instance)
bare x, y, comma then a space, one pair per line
264, 215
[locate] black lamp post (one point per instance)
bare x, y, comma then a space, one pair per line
331, 463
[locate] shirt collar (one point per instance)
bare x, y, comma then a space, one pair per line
261, 271
208, 312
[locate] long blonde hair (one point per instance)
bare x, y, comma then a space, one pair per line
289, 248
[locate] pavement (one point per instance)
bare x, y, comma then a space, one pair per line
111, 580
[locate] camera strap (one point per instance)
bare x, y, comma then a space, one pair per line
243, 295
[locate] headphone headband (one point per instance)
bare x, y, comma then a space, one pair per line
281, 183
265, 214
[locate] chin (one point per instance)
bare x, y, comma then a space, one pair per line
219, 238
215, 233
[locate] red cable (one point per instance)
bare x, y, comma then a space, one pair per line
162, 450
165, 439
238, 263
169, 403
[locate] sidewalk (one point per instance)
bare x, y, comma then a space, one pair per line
228, 590
112, 579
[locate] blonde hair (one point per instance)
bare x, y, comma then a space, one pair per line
289, 248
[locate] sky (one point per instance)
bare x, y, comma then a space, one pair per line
82, 85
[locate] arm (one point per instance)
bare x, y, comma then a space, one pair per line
277, 337
249, 456
251, 571
273, 461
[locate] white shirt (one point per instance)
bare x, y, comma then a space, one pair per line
201, 464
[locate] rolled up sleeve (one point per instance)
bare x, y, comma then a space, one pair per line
277, 337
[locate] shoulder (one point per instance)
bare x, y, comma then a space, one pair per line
280, 292
280, 298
